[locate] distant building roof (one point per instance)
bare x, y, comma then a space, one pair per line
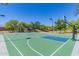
2, 28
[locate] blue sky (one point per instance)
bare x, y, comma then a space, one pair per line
31, 12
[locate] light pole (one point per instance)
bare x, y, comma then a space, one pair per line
52, 22
2, 15
3, 4
74, 32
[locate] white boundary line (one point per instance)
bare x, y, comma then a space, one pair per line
60, 47
15, 47
32, 48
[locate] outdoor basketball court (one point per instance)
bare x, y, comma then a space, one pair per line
38, 44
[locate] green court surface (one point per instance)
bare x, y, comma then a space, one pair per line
33, 44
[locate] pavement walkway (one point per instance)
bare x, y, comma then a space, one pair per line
3, 48
75, 51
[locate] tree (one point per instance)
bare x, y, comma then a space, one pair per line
44, 28
71, 24
77, 23
20, 27
35, 25
26, 25
60, 25
11, 24
64, 24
